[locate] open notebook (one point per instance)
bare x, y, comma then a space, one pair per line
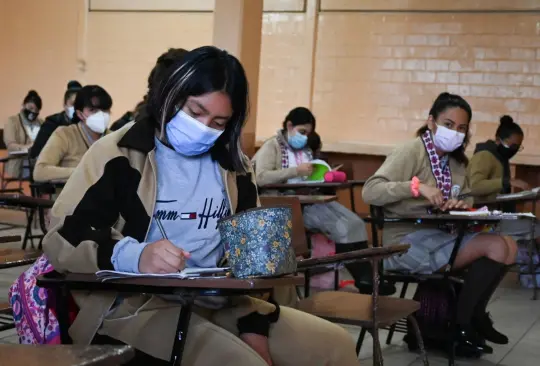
481, 213
187, 273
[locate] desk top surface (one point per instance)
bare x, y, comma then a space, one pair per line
199, 283
347, 184
65, 355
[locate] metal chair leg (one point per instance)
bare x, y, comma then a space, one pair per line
360, 340
419, 339
181, 335
377, 350
393, 326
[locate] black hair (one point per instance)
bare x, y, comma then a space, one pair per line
72, 88
443, 102
166, 60
204, 70
299, 116
33, 97
92, 96
122, 121
508, 128
314, 141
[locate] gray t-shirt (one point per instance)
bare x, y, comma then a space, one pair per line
191, 198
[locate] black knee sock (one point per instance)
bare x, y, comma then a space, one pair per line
361, 272
480, 309
479, 280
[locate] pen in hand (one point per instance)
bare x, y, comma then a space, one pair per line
185, 254
161, 229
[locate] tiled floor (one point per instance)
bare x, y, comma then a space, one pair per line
515, 315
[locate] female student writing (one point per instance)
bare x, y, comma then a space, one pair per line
432, 169
286, 158
183, 154
21, 130
489, 173
67, 144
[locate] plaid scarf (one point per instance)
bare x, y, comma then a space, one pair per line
442, 174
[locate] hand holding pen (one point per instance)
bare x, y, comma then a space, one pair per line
162, 256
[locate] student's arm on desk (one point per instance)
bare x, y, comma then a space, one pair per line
265, 162
48, 164
392, 182
478, 171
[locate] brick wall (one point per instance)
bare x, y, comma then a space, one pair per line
392, 65
370, 69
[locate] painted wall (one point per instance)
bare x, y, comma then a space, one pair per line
39, 51
363, 66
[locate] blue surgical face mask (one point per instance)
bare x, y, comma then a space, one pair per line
190, 137
297, 141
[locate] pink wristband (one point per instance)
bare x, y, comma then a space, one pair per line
415, 187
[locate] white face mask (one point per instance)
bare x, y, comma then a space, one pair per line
447, 140
70, 111
190, 137
98, 122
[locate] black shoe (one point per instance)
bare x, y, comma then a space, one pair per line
366, 287
484, 326
469, 342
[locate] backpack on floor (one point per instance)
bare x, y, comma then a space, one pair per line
33, 307
523, 259
434, 314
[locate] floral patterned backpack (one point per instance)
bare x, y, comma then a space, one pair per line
35, 320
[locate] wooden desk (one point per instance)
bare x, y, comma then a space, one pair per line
318, 186
190, 288
354, 256
306, 199
16, 257
33, 205
30, 355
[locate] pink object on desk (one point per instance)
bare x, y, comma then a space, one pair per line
335, 176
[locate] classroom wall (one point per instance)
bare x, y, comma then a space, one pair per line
369, 69
38, 51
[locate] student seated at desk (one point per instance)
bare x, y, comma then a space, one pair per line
431, 169
184, 153
21, 130
56, 120
489, 174
68, 144
285, 158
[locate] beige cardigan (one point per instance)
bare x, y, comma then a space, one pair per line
486, 176
61, 154
16, 139
267, 164
390, 187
